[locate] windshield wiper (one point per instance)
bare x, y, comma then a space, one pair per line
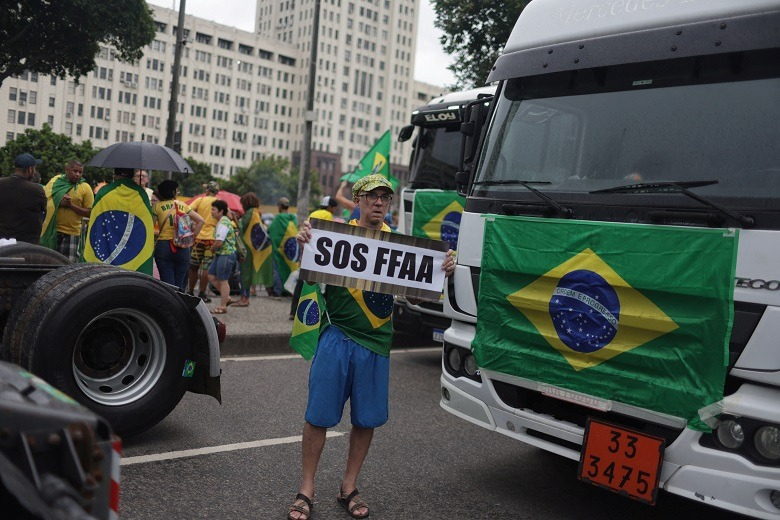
563, 210
680, 187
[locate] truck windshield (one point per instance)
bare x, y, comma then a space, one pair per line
692, 119
436, 158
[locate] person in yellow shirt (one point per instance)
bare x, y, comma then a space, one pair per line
172, 262
69, 199
201, 254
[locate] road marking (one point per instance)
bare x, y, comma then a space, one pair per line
142, 459
296, 356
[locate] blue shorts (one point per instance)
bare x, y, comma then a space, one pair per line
342, 369
222, 266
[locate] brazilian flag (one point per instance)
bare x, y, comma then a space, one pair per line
55, 190
437, 215
308, 319
376, 160
258, 267
636, 314
286, 252
121, 231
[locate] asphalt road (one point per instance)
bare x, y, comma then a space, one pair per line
425, 463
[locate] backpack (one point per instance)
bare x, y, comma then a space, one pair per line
183, 233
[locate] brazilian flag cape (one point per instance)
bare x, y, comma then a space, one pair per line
121, 231
635, 314
285, 248
257, 268
437, 215
308, 321
55, 190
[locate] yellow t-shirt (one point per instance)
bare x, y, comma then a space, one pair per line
163, 214
68, 221
203, 206
322, 214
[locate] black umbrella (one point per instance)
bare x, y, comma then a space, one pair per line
140, 155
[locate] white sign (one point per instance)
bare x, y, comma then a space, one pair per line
372, 260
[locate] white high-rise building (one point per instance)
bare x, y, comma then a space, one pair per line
243, 94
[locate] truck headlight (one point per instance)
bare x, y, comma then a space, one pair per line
767, 442
453, 358
470, 366
730, 434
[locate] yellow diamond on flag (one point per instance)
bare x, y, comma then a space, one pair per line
588, 312
434, 226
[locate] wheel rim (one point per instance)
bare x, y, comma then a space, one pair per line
119, 357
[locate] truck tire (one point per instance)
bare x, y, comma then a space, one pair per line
34, 254
115, 340
12, 347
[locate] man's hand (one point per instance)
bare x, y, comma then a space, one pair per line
65, 201
304, 234
449, 263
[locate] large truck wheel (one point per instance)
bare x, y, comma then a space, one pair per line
34, 254
115, 340
13, 349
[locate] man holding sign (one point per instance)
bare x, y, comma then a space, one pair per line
351, 362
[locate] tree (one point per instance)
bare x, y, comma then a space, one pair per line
55, 150
475, 33
62, 37
270, 178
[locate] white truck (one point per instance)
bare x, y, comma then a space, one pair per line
430, 207
614, 121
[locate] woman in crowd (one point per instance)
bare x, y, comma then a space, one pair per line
250, 276
173, 262
224, 248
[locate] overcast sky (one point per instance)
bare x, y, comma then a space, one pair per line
431, 65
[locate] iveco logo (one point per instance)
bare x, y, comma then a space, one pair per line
443, 116
769, 285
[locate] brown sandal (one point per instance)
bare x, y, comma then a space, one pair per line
352, 497
219, 310
296, 508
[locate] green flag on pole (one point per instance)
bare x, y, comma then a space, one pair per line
437, 215
636, 314
377, 160
308, 319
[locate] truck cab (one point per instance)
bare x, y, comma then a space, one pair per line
629, 117
430, 207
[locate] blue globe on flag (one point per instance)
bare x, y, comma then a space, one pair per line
117, 237
585, 311
450, 228
291, 249
380, 305
308, 312
259, 237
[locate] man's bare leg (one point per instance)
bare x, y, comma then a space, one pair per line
311, 450
359, 443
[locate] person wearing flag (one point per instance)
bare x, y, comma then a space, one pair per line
69, 198
257, 267
285, 248
121, 230
350, 360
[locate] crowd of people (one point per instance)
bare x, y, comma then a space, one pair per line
128, 224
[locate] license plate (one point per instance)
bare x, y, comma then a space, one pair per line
438, 335
622, 460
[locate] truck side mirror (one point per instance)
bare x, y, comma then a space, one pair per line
405, 133
475, 115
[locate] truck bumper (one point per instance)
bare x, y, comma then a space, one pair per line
718, 478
